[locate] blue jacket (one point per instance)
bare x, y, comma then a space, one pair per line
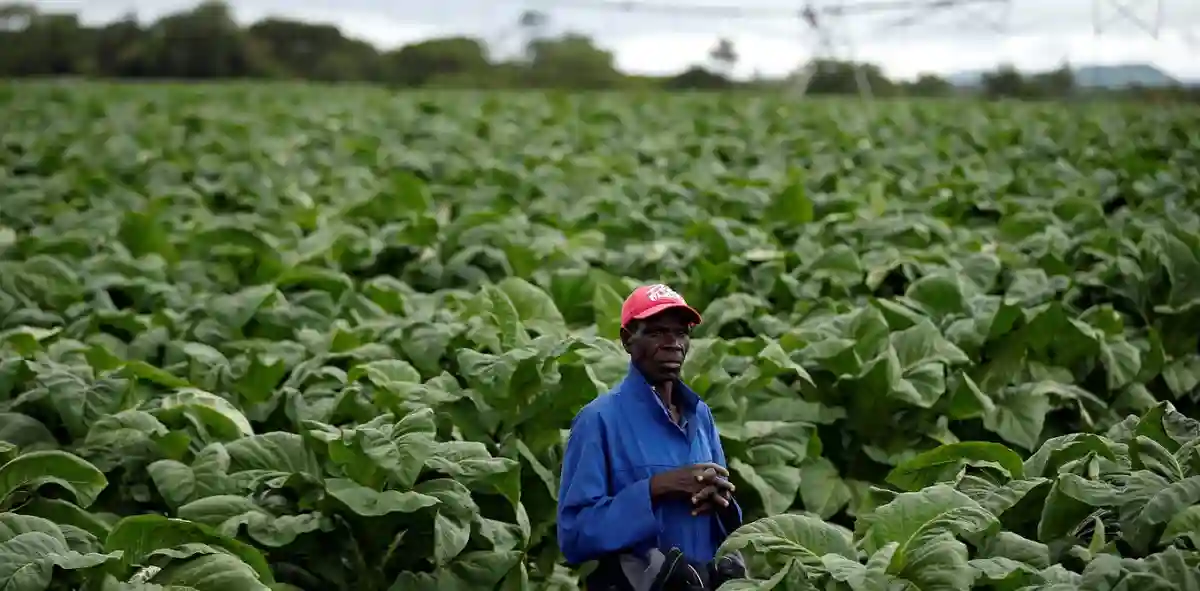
617, 442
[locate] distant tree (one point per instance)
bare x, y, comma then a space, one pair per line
930, 85
120, 48
415, 65
304, 50
571, 61
839, 77
1004, 82
42, 44
1059, 82
205, 42
724, 55
697, 78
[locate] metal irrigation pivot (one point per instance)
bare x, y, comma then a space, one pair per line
822, 20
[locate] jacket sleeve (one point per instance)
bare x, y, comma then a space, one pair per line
730, 518
592, 523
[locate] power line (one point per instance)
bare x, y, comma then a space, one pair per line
1125, 11
818, 22
728, 11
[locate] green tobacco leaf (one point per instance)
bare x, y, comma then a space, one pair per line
1182, 375
1171, 568
67, 470
228, 513
1009, 546
144, 371
179, 483
1058, 451
1183, 266
27, 340
1147, 454
791, 206
935, 561
139, 536
535, 308
372, 503
1171, 501
790, 576
456, 511
263, 374
64, 513
802, 537
911, 517
944, 463
774, 361
218, 416
31, 548
871, 576
1122, 362
1184, 523
470, 462
472, 570
381, 450
822, 490
998, 499
274, 454
940, 294
235, 310
384, 372
1071, 500
1019, 415
776, 484
211, 572
25, 432
606, 304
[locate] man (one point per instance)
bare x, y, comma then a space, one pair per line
644, 489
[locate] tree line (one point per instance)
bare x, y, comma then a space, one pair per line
206, 42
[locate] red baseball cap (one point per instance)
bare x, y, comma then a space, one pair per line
649, 300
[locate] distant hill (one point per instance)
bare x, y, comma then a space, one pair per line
1119, 76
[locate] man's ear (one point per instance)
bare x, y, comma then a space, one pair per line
625, 336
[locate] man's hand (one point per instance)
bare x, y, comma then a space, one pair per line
689, 481
712, 497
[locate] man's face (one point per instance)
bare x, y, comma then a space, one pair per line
658, 345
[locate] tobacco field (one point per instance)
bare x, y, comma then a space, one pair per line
301, 338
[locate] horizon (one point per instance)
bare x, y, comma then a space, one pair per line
1036, 37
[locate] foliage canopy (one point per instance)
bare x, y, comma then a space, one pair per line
283, 337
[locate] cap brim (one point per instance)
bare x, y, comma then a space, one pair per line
648, 312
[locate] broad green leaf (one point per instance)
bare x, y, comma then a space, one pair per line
372, 503
64, 469
216, 415
802, 537
913, 515
822, 490
211, 572
28, 559
138, 536
943, 463
227, 513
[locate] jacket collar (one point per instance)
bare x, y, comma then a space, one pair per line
636, 385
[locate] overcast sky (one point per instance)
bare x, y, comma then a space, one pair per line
1033, 34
